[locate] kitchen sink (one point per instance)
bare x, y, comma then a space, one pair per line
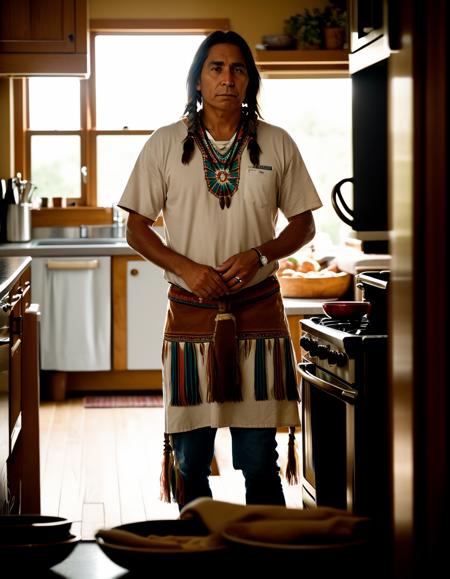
75, 241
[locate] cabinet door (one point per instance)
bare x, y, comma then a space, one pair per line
15, 375
37, 26
43, 37
146, 313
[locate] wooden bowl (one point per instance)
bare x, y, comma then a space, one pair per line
352, 310
315, 287
279, 42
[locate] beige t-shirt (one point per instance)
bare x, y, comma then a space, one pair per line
194, 223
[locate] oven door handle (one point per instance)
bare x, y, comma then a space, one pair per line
323, 384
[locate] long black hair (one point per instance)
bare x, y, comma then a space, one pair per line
250, 109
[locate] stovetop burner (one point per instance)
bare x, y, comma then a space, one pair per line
361, 327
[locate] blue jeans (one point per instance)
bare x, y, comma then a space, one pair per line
254, 452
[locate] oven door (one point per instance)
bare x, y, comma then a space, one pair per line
328, 439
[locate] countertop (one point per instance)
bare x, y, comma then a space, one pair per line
10, 270
31, 248
304, 307
293, 306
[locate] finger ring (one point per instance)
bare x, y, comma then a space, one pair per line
238, 279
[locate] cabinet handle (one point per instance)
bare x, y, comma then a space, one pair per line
15, 347
71, 37
17, 325
88, 264
134, 271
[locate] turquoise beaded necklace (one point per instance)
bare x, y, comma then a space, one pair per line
222, 171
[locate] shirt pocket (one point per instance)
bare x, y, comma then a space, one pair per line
260, 187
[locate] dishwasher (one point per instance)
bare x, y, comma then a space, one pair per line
75, 298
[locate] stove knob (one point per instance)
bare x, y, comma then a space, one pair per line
314, 348
322, 352
332, 357
305, 342
341, 359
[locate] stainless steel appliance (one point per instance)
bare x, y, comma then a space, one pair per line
344, 390
367, 211
374, 36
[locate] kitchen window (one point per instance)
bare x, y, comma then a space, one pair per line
84, 136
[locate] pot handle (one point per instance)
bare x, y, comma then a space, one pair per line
336, 195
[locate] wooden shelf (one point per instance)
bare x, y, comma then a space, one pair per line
306, 62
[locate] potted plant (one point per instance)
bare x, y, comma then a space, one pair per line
334, 21
306, 27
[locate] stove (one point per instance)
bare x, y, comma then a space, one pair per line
344, 390
339, 346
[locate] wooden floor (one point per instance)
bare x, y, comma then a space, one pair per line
100, 467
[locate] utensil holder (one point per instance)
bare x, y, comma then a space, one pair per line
18, 223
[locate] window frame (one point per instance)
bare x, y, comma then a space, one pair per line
88, 131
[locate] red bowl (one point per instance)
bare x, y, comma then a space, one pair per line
346, 310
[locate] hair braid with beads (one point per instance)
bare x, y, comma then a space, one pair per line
250, 110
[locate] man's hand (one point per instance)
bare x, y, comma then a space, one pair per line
204, 281
239, 269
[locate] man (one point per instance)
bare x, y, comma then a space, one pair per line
219, 176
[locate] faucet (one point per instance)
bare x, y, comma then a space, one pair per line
117, 216
118, 220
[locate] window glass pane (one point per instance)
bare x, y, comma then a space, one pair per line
55, 165
116, 156
54, 103
317, 114
141, 80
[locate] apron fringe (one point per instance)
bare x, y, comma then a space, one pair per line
185, 389
220, 363
171, 481
260, 370
292, 467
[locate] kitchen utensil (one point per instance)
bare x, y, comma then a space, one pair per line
185, 560
16, 529
18, 222
352, 310
279, 41
34, 558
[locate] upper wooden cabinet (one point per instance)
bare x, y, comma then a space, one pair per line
43, 37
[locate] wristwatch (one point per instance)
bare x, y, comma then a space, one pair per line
262, 258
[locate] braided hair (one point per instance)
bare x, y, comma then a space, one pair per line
250, 110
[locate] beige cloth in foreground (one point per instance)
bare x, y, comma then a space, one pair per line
159, 542
265, 524
273, 524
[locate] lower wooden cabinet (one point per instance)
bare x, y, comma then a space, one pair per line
23, 464
139, 312
294, 328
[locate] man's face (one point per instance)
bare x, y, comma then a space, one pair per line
224, 78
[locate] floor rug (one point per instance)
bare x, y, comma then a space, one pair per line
123, 401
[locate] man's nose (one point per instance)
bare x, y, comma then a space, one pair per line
228, 79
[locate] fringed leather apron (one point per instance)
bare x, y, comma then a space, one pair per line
211, 348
